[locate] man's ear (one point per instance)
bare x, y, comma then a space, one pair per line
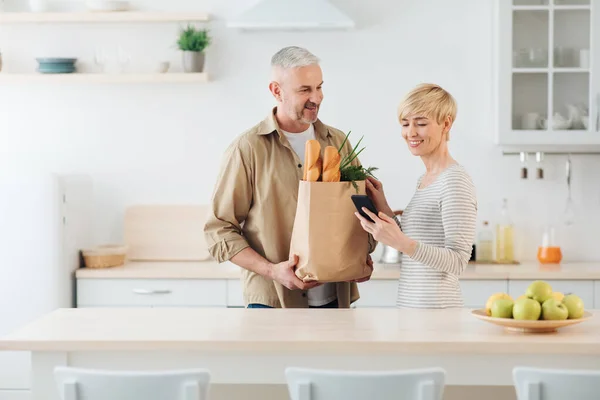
275, 90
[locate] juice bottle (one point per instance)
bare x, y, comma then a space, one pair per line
505, 237
485, 244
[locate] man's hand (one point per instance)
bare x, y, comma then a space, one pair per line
284, 274
366, 278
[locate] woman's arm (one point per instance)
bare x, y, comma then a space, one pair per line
458, 207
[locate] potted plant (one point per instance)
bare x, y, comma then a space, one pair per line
192, 42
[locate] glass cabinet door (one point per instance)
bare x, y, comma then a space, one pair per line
547, 88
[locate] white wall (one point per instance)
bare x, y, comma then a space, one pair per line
162, 144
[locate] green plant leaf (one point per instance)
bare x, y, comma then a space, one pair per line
344, 142
192, 39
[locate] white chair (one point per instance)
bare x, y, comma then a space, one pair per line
417, 384
90, 384
556, 384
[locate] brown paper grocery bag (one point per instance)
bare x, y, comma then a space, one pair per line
330, 243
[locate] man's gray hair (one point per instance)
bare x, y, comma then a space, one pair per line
293, 57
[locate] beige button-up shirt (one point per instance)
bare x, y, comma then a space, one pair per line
254, 205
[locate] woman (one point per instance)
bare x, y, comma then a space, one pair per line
437, 228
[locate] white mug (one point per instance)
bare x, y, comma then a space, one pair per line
531, 121
38, 5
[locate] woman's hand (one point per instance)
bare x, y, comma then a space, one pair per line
375, 192
386, 231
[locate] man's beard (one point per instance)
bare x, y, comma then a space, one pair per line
300, 114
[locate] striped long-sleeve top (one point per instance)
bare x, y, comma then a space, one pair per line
441, 218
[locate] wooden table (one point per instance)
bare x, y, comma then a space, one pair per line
255, 345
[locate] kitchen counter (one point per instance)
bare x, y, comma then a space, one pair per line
291, 330
213, 270
232, 342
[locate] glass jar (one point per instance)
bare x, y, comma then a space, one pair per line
549, 252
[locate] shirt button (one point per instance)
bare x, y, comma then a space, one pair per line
299, 165
303, 294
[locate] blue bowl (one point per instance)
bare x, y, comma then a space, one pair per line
50, 70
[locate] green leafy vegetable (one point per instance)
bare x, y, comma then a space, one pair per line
353, 173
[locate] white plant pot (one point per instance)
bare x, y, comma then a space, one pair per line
193, 61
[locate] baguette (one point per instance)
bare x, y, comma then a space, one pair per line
312, 161
331, 164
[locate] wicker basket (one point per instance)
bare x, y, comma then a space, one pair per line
105, 256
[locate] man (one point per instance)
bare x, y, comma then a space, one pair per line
255, 197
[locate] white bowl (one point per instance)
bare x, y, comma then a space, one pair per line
163, 67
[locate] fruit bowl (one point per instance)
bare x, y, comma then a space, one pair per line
530, 326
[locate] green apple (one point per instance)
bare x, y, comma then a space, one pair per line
553, 309
502, 308
539, 291
574, 306
527, 309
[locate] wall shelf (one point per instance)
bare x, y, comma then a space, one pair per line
101, 17
95, 78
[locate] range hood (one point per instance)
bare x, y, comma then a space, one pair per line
292, 15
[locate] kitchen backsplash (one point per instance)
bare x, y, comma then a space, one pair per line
161, 143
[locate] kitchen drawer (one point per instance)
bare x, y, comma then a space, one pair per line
476, 292
152, 292
377, 293
235, 293
582, 288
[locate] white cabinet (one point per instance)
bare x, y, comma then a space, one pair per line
548, 85
382, 293
377, 293
235, 293
151, 293
582, 288
45, 220
476, 292
98, 292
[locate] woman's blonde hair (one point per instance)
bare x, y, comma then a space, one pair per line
429, 100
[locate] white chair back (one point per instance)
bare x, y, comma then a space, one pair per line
90, 384
418, 384
556, 384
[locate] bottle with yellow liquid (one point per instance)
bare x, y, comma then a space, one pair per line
505, 237
485, 244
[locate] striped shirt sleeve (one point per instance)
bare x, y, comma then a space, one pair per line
398, 221
458, 207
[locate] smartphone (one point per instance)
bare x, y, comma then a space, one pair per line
360, 201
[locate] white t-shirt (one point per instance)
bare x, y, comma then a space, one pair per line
326, 293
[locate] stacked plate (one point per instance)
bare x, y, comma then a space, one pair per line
56, 65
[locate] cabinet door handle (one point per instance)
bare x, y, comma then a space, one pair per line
147, 291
